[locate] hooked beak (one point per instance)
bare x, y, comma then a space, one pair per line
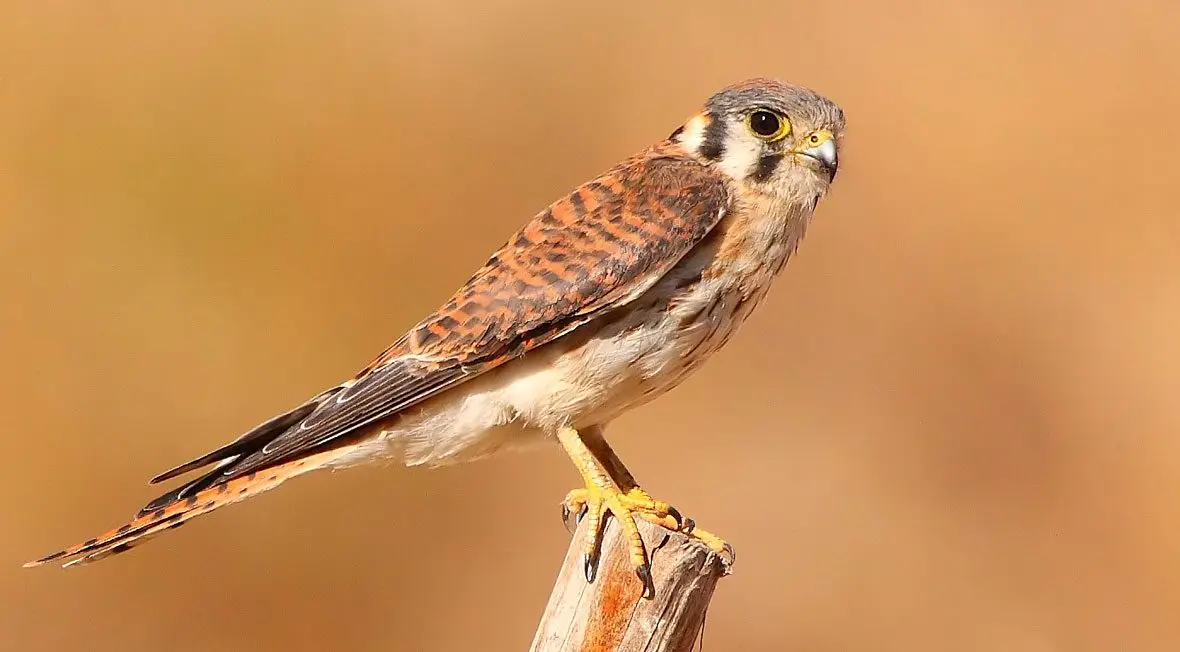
821, 147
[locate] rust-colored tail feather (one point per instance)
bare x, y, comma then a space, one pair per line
148, 524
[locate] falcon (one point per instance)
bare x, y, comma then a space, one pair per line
605, 300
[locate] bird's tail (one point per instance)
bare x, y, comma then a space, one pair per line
175, 508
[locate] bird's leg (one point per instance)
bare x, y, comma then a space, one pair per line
610, 487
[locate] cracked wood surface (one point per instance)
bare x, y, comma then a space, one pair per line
609, 613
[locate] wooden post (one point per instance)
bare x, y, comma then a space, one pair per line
610, 614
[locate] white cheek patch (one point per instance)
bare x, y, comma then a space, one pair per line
742, 152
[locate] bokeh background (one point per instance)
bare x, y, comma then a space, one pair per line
953, 426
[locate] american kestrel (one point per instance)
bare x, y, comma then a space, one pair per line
608, 298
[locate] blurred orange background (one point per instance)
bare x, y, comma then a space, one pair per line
952, 426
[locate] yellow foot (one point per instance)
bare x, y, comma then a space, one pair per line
688, 527
595, 502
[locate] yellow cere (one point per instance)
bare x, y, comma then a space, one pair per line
819, 138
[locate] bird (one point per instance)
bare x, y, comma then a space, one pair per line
608, 298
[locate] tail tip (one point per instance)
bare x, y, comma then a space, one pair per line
42, 561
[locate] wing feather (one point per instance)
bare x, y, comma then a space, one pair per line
593, 251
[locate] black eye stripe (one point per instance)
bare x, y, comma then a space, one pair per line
713, 146
766, 167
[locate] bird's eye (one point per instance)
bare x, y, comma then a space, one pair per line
768, 125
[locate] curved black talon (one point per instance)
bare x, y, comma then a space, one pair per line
570, 526
589, 566
649, 586
675, 513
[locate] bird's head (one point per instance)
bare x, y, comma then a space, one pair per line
769, 136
